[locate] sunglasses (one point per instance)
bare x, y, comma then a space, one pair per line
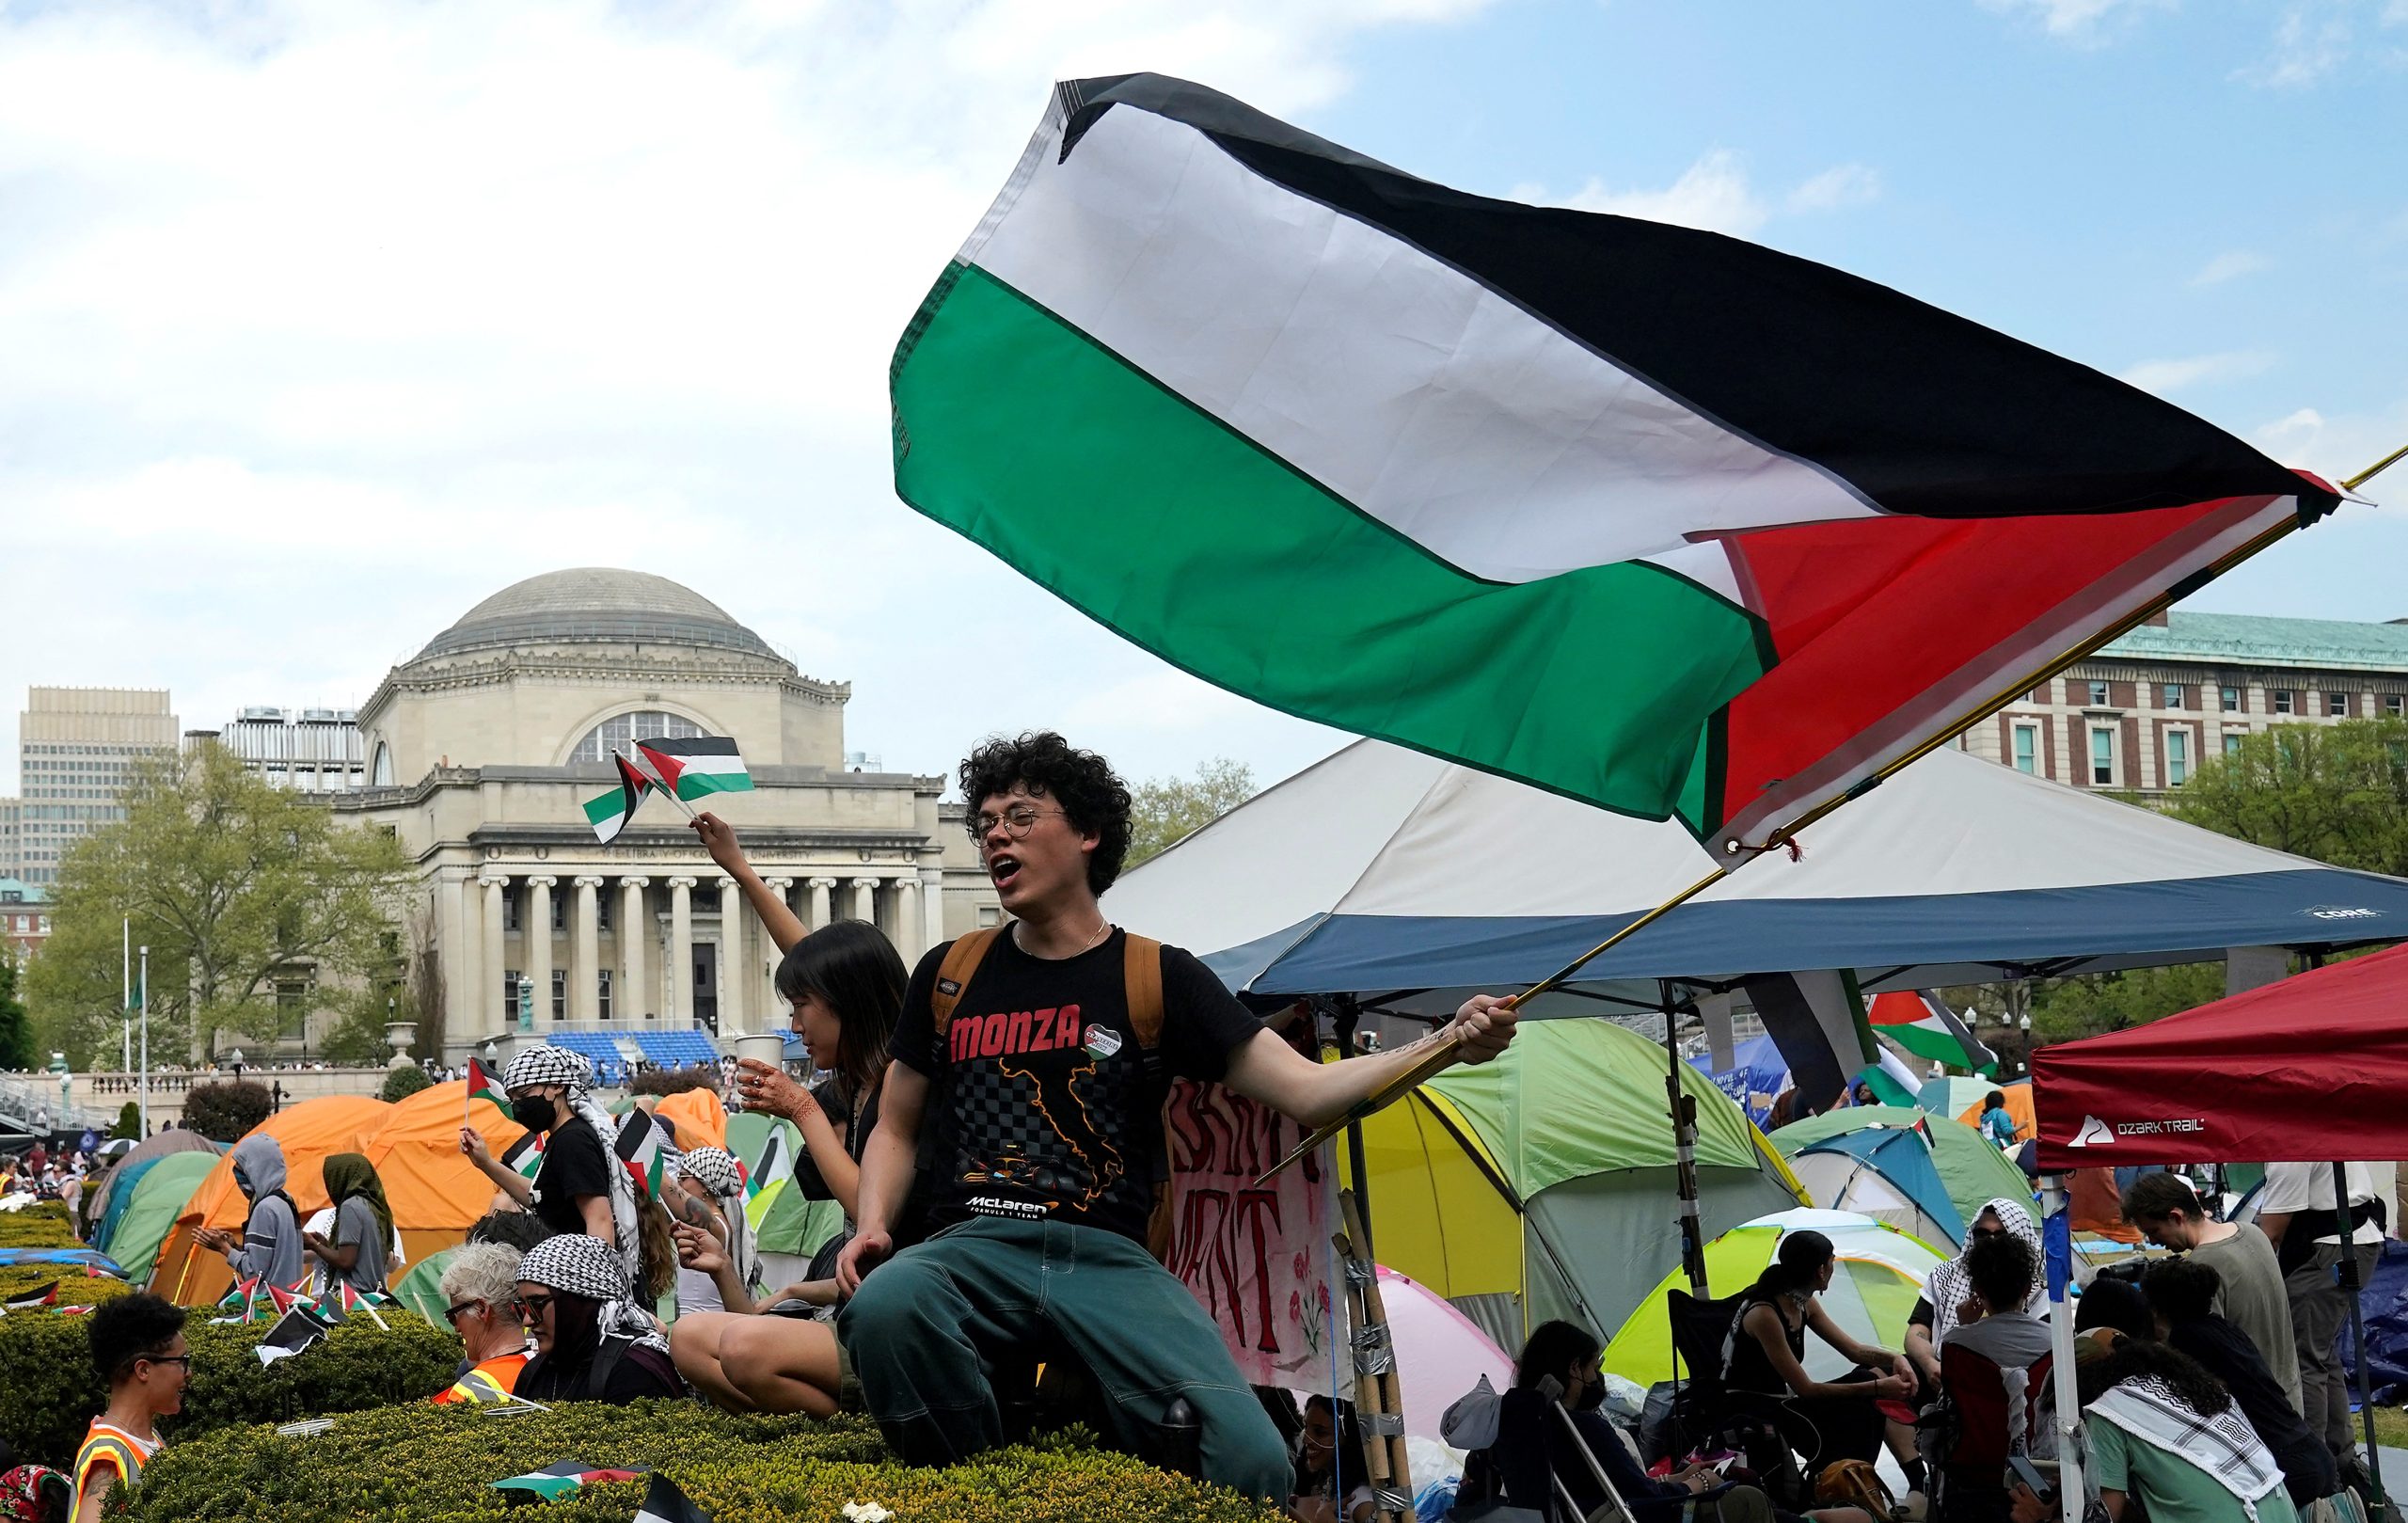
531, 1307
454, 1311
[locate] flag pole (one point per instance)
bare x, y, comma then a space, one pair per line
1443, 1050
654, 779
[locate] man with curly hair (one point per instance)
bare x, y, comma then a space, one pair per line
1026, 1092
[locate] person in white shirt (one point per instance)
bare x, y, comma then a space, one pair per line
2296, 1215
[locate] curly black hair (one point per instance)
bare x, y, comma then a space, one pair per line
131, 1327
2003, 1268
2138, 1359
1091, 794
2181, 1290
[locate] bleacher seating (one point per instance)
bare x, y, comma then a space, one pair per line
675, 1049
609, 1069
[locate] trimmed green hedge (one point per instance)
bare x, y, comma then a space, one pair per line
49, 1392
41, 1224
75, 1288
423, 1463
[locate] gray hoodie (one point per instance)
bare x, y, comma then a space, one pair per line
272, 1238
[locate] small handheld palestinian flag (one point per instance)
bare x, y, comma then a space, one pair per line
609, 813
664, 1504
567, 1476
525, 1157
238, 1299
293, 1331
697, 765
350, 1299
639, 1148
769, 1179
40, 1295
1918, 1021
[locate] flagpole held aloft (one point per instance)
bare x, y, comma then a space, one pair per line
654, 777
1442, 1052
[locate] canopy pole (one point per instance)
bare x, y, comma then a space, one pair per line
2057, 1205
2348, 1269
1684, 1112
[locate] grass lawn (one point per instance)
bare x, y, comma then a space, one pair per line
2390, 1426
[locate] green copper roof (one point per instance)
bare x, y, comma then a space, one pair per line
2253, 640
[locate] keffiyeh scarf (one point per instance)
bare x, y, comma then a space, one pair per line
1949, 1285
560, 1066
716, 1170
2223, 1445
576, 1264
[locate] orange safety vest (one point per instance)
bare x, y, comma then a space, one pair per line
493, 1381
110, 1448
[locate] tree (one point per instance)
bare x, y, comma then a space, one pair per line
2338, 793
16, 1050
2064, 1008
402, 1083
238, 888
1167, 808
227, 1111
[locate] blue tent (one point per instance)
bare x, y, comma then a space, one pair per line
1885, 1172
1755, 1079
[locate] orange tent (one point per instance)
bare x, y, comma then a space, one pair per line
309, 1134
2096, 1207
700, 1118
436, 1192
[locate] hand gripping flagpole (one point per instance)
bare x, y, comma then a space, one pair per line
1444, 1048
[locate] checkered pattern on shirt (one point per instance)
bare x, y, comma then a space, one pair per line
1000, 1129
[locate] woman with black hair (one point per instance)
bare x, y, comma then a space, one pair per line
591, 1343
1767, 1356
1329, 1462
2182, 1292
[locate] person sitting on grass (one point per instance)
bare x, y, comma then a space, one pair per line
138, 1347
719, 1266
480, 1286
2184, 1294
591, 1343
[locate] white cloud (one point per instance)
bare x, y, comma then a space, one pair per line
1842, 185
2312, 39
2230, 265
1713, 193
2082, 22
348, 315
2341, 445
2163, 376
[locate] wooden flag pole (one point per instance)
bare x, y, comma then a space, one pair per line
1444, 1048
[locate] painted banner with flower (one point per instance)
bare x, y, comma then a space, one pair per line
1258, 1257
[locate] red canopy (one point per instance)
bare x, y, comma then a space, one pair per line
2311, 1068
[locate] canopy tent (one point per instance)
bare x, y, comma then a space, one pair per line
1541, 1185
1882, 1273
1919, 1173
153, 1204
309, 1134
436, 1192
1385, 874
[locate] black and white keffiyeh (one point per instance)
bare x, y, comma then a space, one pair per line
716, 1170
575, 1072
576, 1264
1949, 1285
2223, 1445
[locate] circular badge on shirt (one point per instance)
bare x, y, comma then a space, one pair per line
1103, 1041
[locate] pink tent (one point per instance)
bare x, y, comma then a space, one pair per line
1439, 1353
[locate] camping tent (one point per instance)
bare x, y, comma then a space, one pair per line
794, 1226
1440, 1354
2098, 1205
174, 1139
700, 1118
1756, 1077
1882, 1273
1919, 1173
1954, 1094
151, 1204
1382, 872
1540, 1185
308, 1133
436, 1192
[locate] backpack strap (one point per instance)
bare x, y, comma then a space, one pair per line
1142, 968
961, 962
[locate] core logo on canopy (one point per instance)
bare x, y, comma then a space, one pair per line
2342, 912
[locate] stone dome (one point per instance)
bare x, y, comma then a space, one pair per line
596, 604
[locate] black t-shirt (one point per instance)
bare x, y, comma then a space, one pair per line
1043, 1106
575, 1163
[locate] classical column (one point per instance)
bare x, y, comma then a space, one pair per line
491, 1019
865, 900
585, 975
766, 984
931, 900
735, 963
819, 913
535, 935
906, 920
681, 952
635, 941
463, 958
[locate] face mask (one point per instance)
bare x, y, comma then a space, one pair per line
533, 1112
1593, 1396
243, 1183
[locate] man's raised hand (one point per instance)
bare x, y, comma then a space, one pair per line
1484, 1026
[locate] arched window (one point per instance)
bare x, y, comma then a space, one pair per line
620, 730
383, 776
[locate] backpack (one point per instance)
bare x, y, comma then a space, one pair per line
1141, 974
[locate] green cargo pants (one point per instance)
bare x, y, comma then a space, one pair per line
927, 1330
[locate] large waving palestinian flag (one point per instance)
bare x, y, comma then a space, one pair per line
609, 813
697, 765
1649, 517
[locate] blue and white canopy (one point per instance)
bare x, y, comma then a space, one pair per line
1381, 872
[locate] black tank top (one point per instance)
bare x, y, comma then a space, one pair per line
1749, 1367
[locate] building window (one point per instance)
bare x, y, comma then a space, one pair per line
2040, 693
622, 730
2027, 748
2102, 758
2336, 705
510, 908
2173, 695
602, 910
383, 772
602, 992
510, 997
2282, 700
2177, 757
560, 994
2099, 695
2232, 745
2391, 705
2232, 700
560, 912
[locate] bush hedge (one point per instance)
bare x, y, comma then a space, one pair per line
75, 1288
49, 1390
41, 1224
402, 1083
421, 1464
226, 1110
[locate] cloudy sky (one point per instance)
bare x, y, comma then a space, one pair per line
319, 322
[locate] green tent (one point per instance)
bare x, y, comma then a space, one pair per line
158, 1197
419, 1289
1925, 1174
793, 1225
1541, 1185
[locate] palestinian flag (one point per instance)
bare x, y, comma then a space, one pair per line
238, 1299
1892, 1084
294, 1332
1648, 516
567, 1476
639, 1148
483, 1084
697, 765
355, 1299
609, 813
1817, 1021
664, 1504
526, 1155
1918, 1021
40, 1295
767, 1179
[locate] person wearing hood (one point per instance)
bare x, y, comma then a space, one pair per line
591, 1343
269, 1249
363, 1226
580, 1188
1945, 1289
